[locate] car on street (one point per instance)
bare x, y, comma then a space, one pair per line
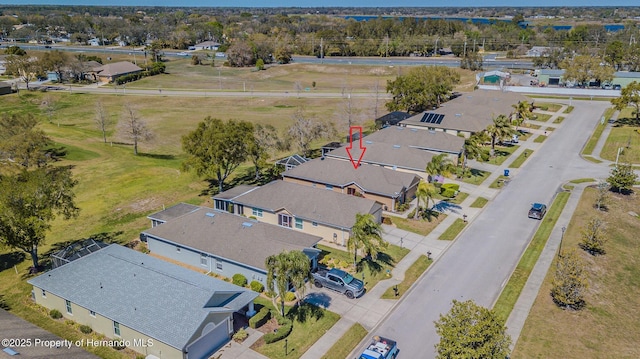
182, 53
537, 211
381, 348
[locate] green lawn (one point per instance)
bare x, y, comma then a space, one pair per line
455, 200
341, 348
569, 109
521, 158
476, 176
419, 226
542, 117
519, 277
454, 229
595, 136
373, 272
499, 182
559, 119
551, 107
501, 154
410, 276
479, 202
309, 324
626, 137
591, 159
582, 180
540, 139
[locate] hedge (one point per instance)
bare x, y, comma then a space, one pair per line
453, 186
449, 193
260, 318
289, 296
55, 314
286, 325
151, 70
239, 280
256, 286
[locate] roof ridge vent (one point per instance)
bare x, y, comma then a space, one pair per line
247, 224
458, 115
396, 146
210, 214
368, 142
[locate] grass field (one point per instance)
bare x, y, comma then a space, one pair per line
518, 279
455, 200
559, 119
479, 202
476, 176
501, 154
453, 230
499, 182
343, 346
410, 276
419, 226
542, 117
582, 180
552, 107
625, 134
591, 159
569, 109
607, 327
595, 136
521, 158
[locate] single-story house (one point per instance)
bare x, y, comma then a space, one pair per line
433, 141
538, 51
223, 198
155, 307
393, 156
170, 213
207, 45
492, 77
464, 115
110, 72
378, 183
315, 211
225, 244
5, 88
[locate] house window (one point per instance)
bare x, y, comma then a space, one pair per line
204, 260
92, 313
44, 293
219, 264
116, 328
256, 212
298, 223
315, 224
68, 307
351, 191
177, 249
330, 187
284, 220
221, 205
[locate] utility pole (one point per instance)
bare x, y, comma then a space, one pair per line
321, 51
464, 51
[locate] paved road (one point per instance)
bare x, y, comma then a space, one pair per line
480, 261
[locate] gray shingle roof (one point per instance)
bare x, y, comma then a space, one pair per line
234, 192
313, 204
159, 299
437, 141
117, 68
473, 111
173, 212
338, 173
387, 154
227, 235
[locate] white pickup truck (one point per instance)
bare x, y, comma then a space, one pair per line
380, 348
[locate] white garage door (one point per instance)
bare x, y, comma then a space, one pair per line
205, 345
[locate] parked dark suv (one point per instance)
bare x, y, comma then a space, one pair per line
537, 210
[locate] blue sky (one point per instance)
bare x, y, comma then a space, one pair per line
330, 3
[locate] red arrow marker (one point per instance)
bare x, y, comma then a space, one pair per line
350, 147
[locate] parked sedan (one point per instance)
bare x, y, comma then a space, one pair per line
537, 211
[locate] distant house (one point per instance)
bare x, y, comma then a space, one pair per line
467, 114
555, 77
538, 51
5, 88
380, 184
207, 45
170, 213
110, 72
315, 211
159, 309
225, 244
493, 77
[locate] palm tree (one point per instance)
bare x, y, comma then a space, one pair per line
500, 129
472, 148
425, 192
522, 112
287, 268
366, 233
440, 165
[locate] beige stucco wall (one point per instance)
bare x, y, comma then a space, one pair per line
138, 342
321, 230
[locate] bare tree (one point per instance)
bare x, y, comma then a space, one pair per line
376, 89
102, 119
48, 105
306, 129
132, 127
603, 195
298, 87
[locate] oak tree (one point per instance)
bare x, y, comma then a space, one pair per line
569, 282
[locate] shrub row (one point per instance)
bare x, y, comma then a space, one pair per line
154, 69
256, 286
260, 318
449, 190
286, 325
239, 280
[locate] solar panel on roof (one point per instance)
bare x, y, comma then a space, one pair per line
424, 117
439, 119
